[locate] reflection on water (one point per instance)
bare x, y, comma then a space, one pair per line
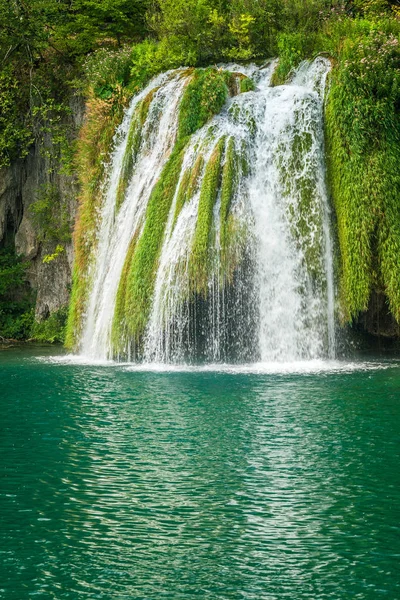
121, 484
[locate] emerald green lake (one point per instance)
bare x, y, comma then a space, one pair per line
250, 484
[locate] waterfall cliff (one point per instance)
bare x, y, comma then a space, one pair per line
213, 242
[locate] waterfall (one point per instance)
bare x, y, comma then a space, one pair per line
243, 268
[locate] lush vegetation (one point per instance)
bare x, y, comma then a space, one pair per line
363, 134
52, 329
45, 46
16, 307
109, 50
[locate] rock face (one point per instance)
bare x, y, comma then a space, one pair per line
22, 185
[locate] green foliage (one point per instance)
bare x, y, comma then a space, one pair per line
199, 257
204, 97
16, 314
107, 70
52, 329
15, 137
70, 28
363, 133
48, 258
371, 8
292, 48
88, 22
43, 45
149, 58
246, 85
50, 215
207, 31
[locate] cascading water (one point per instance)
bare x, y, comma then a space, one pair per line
117, 228
244, 267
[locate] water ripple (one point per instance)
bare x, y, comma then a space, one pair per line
121, 483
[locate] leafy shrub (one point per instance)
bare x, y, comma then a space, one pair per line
107, 70
292, 48
50, 215
52, 329
15, 136
16, 313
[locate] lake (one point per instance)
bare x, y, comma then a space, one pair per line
260, 483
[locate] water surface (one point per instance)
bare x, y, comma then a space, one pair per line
121, 483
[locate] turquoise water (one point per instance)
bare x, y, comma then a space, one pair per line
118, 483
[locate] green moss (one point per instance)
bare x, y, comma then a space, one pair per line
304, 211
228, 185
199, 258
140, 277
237, 240
52, 329
244, 160
203, 98
188, 185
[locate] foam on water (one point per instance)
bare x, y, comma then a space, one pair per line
306, 367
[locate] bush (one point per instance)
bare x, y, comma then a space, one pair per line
15, 136
107, 70
52, 329
16, 313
